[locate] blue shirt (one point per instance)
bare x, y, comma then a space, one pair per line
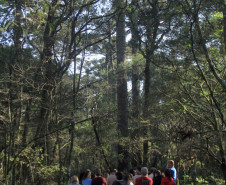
86, 181
173, 174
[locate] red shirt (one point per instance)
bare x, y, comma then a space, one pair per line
143, 181
166, 181
99, 181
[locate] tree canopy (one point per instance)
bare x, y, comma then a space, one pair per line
88, 84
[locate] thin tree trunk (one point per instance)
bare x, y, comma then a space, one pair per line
146, 106
73, 113
99, 143
135, 75
223, 7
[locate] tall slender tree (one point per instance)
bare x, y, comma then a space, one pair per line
122, 97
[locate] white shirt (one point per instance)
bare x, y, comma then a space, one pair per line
151, 175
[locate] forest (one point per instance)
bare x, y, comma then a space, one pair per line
107, 84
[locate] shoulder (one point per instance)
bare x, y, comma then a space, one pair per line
173, 169
142, 179
148, 178
103, 178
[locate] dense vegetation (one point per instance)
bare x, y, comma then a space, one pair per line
112, 84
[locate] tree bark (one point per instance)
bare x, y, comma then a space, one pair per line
99, 143
49, 80
223, 7
152, 27
14, 117
135, 75
146, 105
122, 101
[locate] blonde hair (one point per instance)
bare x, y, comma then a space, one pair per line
74, 178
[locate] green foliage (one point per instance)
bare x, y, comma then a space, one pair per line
53, 126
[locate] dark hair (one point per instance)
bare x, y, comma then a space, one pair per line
157, 172
86, 173
138, 168
152, 170
167, 174
81, 176
114, 170
98, 172
119, 175
131, 171
92, 175
128, 177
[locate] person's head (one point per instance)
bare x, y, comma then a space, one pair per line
138, 170
163, 172
113, 171
144, 171
132, 172
74, 178
171, 164
152, 170
87, 174
167, 174
157, 173
119, 175
98, 172
128, 177
106, 175
93, 175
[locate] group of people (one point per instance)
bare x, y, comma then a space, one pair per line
141, 176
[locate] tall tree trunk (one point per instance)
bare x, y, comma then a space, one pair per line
110, 70
152, 27
122, 101
223, 7
146, 105
135, 79
135, 75
49, 79
14, 118
73, 115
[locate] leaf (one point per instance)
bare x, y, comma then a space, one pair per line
51, 27
45, 7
